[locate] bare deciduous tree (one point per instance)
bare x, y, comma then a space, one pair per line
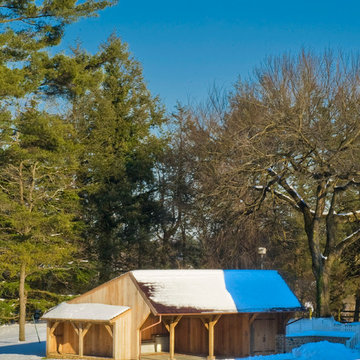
292, 135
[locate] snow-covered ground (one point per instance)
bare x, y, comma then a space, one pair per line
32, 349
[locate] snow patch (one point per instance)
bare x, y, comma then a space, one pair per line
324, 350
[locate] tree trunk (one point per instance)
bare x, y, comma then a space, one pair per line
321, 265
322, 277
22, 302
357, 304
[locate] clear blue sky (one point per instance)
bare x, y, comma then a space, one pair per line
186, 46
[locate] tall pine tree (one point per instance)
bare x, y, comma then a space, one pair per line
117, 122
36, 148
37, 197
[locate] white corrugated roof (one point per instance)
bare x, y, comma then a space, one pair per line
95, 312
186, 291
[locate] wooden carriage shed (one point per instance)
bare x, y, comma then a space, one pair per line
222, 313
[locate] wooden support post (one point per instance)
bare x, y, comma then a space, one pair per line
116, 344
48, 338
252, 318
211, 341
171, 328
210, 325
172, 341
81, 340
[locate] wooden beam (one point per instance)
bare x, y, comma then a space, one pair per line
109, 330
206, 324
53, 327
87, 328
252, 318
168, 321
75, 328
216, 318
177, 319
167, 327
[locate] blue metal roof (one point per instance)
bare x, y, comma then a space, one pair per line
259, 290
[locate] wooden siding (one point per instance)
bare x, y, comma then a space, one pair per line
191, 336
232, 335
121, 337
121, 291
64, 340
155, 330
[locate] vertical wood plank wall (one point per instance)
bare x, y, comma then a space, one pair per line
232, 334
64, 340
157, 329
121, 291
122, 334
191, 337
98, 342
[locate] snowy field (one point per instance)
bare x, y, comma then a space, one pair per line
32, 349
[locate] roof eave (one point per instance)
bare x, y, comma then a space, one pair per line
107, 322
245, 311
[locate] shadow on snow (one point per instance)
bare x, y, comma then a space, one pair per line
35, 348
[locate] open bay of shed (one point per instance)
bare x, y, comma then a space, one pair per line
69, 324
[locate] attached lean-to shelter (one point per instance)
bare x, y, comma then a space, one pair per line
224, 313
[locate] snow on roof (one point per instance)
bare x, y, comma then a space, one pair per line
95, 312
229, 291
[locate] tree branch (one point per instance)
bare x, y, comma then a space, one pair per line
304, 208
346, 186
22, 18
347, 241
280, 195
